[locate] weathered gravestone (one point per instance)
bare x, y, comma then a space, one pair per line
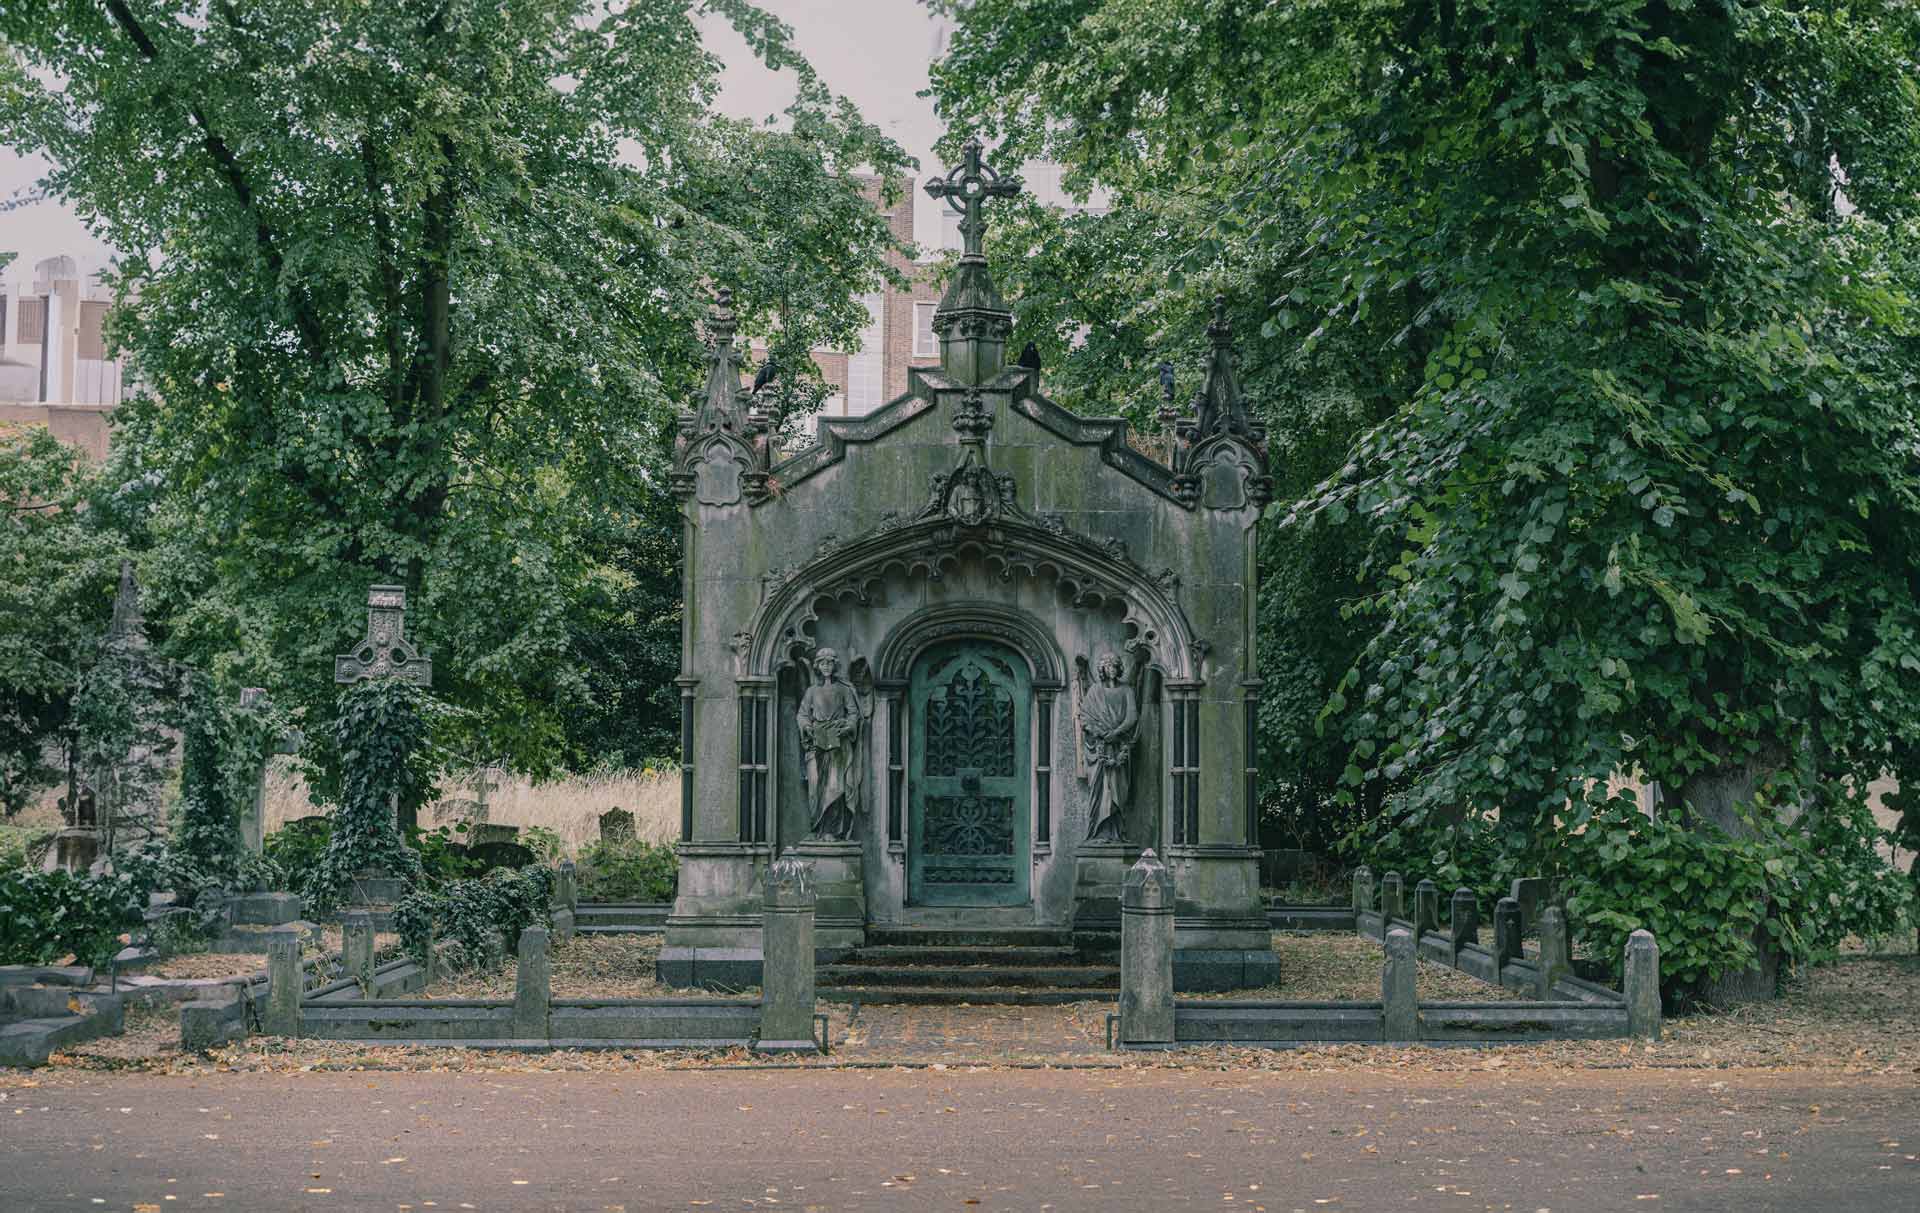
970, 654
616, 825
253, 826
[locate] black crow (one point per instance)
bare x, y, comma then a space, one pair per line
1030, 357
769, 371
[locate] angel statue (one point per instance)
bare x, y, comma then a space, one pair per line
833, 719
1108, 713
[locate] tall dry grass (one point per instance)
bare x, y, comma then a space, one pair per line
570, 808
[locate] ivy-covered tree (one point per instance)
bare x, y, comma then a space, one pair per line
1638, 281
412, 290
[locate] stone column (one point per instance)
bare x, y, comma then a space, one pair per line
1393, 901
1362, 889
532, 990
565, 901
1555, 956
1506, 934
1426, 908
1642, 986
1146, 954
356, 948
286, 984
1466, 920
1400, 1019
787, 987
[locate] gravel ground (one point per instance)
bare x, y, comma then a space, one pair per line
193, 965
586, 966
1319, 966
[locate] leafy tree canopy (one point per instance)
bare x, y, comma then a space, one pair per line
1634, 284
412, 292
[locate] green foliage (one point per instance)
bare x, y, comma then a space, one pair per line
628, 870
546, 844
61, 566
44, 916
381, 735
442, 854
414, 292
297, 850
218, 759
470, 913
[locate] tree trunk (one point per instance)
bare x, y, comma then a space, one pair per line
1714, 798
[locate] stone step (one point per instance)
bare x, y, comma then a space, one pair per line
622, 914
947, 996
599, 928
969, 977
933, 954
969, 937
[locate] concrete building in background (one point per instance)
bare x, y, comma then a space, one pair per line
54, 368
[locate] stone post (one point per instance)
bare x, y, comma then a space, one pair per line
430, 963
1362, 888
1555, 956
1643, 986
1393, 897
787, 980
1426, 908
532, 991
566, 900
286, 984
1466, 920
1400, 1023
1506, 934
1146, 953
356, 948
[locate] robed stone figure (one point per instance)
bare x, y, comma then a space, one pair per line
1108, 714
833, 720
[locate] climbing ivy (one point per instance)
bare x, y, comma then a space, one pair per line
381, 735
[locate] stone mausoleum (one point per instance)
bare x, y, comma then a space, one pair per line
969, 655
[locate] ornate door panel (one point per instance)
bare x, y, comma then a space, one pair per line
968, 836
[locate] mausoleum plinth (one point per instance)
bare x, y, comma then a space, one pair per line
1099, 873
840, 893
1221, 937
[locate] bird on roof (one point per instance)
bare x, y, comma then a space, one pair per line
769, 371
1030, 357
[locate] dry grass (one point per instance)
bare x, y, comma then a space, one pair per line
570, 808
586, 966
1329, 967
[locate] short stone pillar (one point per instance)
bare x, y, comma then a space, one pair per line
1393, 899
1146, 954
1362, 889
1426, 908
286, 983
1506, 934
1466, 921
1556, 959
787, 980
532, 986
1642, 986
1400, 1016
566, 901
356, 948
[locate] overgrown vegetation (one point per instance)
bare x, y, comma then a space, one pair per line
45, 916
381, 734
628, 870
482, 918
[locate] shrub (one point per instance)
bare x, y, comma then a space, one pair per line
628, 870
470, 912
382, 739
297, 849
46, 915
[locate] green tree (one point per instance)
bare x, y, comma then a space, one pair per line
58, 569
1638, 278
412, 289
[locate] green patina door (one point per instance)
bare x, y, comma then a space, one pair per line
970, 775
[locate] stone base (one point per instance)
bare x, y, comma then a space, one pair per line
241, 939
1215, 969
786, 1046
840, 894
265, 909
1099, 868
723, 970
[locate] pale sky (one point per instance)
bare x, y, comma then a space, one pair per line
873, 51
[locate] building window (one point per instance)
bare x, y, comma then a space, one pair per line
33, 321
93, 331
950, 239
863, 383
924, 343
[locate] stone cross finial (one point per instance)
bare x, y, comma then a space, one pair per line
385, 653
967, 188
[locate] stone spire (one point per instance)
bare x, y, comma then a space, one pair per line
1219, 407
973, 321
722, 450
723, 409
